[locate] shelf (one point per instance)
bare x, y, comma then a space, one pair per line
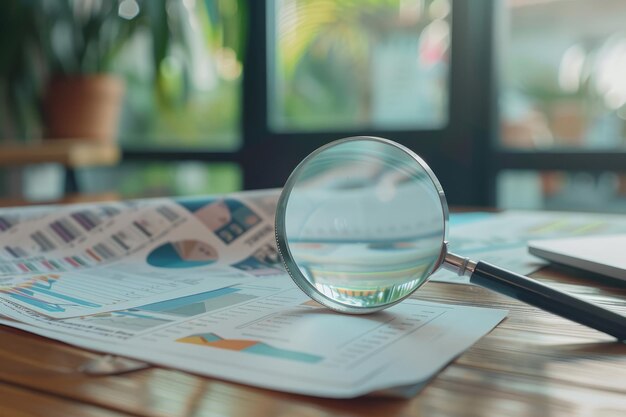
70, 153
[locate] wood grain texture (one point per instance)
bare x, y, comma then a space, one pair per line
532, 364
18, 402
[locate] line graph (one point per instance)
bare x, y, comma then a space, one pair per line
39, 292
109, 288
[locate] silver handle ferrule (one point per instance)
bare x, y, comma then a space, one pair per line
460, 265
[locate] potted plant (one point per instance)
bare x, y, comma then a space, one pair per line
19, 78
79, 41
62, 75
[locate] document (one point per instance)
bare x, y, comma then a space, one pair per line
269, 334
502, 238
196, 284
87, 259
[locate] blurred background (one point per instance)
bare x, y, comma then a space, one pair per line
514, 103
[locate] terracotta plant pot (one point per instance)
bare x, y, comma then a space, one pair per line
83, 107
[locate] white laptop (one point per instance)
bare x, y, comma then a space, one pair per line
604, 254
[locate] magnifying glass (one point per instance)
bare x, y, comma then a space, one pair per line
362, 223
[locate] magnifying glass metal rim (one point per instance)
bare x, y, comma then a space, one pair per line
283, 247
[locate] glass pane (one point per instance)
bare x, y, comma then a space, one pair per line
344, 64
557, 190
175, 65
45, 182
192, 96
162, 179
563, 66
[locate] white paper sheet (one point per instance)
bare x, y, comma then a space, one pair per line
194, 285
269, 334
81, 260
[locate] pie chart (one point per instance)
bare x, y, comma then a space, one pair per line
182, 254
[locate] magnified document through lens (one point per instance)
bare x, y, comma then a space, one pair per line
365, 223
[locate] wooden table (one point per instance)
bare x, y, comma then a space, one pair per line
532, 364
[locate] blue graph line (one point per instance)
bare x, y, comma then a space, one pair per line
37, 287
140, 316
44, 305
28, 296
184, 301
48, 281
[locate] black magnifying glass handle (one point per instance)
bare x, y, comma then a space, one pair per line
539, 295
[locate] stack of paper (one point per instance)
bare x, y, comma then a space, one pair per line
195, 284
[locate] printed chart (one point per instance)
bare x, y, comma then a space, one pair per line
115, 287
75, 240
127, 320
263, 262
41, 292
269, 334
286, 325
125, 324
228, 218
182, 254
196, 304
281, 339
7, 222
248, 346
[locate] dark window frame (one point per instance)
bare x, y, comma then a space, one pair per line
465, 154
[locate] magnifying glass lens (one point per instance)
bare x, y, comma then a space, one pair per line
361, 224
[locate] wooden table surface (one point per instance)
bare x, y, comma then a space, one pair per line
532, 364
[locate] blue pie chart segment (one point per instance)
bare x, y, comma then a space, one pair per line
183, 254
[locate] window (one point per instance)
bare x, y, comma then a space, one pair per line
509, 101
316, 71
192, 98
157, 178
563, 66
337, 77
562, 190
346, 65
561, 136
193, 102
